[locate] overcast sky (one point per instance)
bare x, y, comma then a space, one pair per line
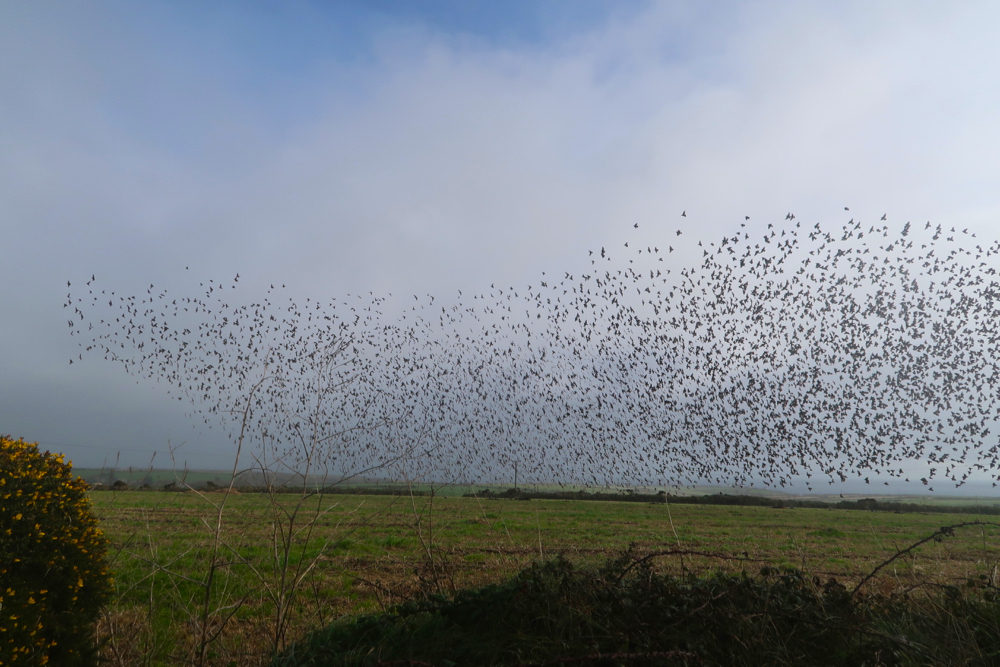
426, 147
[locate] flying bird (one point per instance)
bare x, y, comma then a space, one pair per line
828, 352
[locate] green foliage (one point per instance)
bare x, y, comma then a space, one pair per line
53, 572
625, 613
957, 626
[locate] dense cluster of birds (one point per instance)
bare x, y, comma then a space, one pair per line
779, 353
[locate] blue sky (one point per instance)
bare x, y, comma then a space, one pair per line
436, 146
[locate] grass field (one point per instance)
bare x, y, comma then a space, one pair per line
369, 552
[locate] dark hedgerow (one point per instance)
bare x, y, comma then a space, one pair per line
624, 613
53, 571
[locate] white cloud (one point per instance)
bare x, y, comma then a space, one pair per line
442, 163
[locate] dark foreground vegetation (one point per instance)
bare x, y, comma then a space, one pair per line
625, 613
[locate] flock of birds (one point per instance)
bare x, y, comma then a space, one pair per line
800, 354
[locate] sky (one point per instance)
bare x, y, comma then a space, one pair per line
431, 147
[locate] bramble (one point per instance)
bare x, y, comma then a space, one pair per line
53, 571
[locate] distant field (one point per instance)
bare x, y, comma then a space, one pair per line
379, 550
157, 478
154, 477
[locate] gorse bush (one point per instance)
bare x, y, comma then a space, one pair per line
53, 571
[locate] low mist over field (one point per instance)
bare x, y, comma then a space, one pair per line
648, 244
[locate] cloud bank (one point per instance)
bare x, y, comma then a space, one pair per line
351, 150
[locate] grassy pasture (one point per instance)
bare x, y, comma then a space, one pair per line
369, 552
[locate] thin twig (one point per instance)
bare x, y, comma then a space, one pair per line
936, 535
686, 552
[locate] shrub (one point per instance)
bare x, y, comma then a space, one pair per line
558, 613
53, 571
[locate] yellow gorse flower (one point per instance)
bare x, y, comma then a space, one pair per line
51, 542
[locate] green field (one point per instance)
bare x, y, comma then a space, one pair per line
357, 553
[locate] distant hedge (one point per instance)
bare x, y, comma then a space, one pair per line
869, 504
